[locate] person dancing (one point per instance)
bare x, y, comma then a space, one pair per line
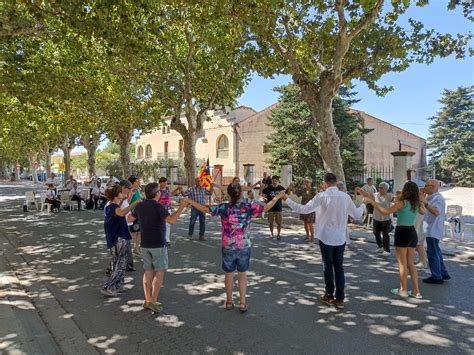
117, 234
406, 240
236, 217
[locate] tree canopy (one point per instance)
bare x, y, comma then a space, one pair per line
80, 69
452, 137
295, 142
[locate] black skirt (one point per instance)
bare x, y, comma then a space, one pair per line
406, 237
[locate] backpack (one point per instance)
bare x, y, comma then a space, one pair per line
89, 204
457, 224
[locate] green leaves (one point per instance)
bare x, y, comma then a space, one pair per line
295, 141
452, 136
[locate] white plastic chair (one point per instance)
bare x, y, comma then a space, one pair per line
370, 219
65, 201
467, 226
45, 205
85, 194
453, 211
30, 199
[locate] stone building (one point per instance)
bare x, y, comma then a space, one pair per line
220, 143
238, 140
385, 138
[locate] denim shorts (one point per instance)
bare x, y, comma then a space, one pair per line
235, 259
155, 258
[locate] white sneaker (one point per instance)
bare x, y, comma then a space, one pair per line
379, 250
420, 265
107, 292
386, 253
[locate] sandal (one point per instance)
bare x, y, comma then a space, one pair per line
418, 296
397, 292
243, 308
229, 305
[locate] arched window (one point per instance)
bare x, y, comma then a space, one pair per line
148, 152
140, 152
222, 147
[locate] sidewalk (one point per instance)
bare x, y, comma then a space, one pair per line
22, 331
449, 247
32, 321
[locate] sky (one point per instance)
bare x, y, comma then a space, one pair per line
416, 90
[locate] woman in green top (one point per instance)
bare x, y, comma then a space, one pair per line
408, 206
135, 227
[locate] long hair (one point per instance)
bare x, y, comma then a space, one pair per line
411, 193
235, 192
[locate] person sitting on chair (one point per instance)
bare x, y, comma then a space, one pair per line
70, 182
98, 195
75, 195
51, 197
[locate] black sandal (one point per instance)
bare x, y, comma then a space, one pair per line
243, 308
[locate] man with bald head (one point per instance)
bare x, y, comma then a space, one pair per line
435, 207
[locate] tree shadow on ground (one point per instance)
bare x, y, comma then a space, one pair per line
67, 253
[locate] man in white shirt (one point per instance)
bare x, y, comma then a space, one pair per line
98, 194
332, 207
75, 195
93, 180
435, 216
70, 182
51, 198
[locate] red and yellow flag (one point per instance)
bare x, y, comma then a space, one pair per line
205, 175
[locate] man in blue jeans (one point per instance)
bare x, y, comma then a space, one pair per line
435, 207
198, 193
332, 209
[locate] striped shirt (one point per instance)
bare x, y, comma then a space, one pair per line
197, 194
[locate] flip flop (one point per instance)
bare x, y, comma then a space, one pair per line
396, 291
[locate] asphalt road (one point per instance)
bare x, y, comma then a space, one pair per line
66, 253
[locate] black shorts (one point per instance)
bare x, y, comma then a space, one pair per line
406, 237
134, 228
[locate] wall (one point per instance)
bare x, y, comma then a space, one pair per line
253, 135
220, 123
385, 138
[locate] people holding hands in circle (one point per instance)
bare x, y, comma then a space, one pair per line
236, 216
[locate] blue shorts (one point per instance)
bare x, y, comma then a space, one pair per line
235, 259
